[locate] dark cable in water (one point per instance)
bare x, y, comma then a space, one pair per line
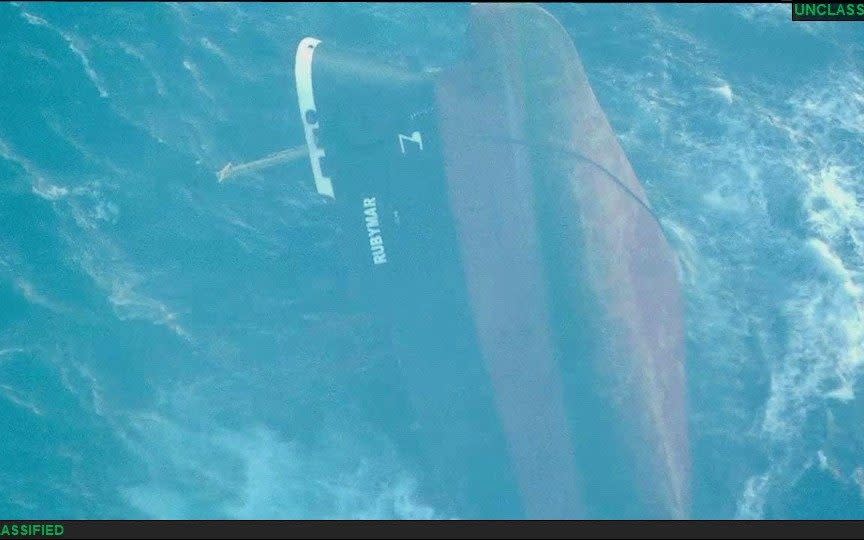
571, 152
291, 154
579, 155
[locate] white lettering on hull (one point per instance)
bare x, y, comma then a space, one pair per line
373, 228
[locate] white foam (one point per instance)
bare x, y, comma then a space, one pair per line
725, 197
18, 398
825, 354
34, 19
771, 14
90, 394
47, 190
29, 291
826, 465
824, 357
858, 478
106, 265
138, 55
751, 505
193, 70
686, 249
724, 91
130, 304
76, 45
7, 153
39, 185
258, 475
215, 49
832, 205
835, 267
10, 350
772, 142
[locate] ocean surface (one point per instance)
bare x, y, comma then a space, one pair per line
169, 346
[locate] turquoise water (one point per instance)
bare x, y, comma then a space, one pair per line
173, 348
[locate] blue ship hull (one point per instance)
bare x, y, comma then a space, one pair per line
493, 200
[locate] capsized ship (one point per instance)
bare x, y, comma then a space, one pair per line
492, 202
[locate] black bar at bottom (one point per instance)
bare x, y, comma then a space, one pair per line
431, 529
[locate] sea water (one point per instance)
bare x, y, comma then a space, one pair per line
174, 348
